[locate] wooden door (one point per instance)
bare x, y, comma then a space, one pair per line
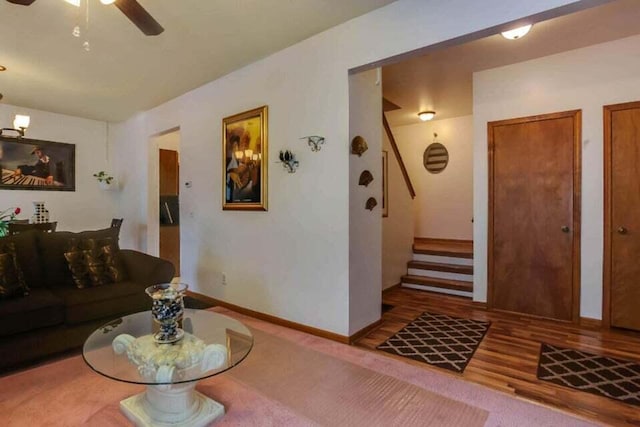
622, 216
168, 186
534, 215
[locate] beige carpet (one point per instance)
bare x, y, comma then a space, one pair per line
334, 392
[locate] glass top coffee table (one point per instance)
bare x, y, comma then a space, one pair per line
125, 350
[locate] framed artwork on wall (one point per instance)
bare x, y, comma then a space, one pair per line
245, 160
385, 184
31, 164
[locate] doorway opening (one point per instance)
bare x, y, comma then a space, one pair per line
164, 197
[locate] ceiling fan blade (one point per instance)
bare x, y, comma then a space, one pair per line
139, 16
22, 2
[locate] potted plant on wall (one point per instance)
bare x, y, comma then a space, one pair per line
105, 181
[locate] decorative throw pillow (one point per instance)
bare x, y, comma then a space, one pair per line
113, 263
95, 262
12, 282
78, 267
96, 267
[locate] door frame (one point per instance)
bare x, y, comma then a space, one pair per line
607, 273
577, 208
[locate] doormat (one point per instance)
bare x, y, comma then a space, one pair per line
605, 376
439, 340
386, 307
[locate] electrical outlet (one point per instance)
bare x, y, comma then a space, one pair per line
224, 279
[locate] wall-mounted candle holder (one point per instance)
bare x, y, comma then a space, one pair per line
288, 160
315, 142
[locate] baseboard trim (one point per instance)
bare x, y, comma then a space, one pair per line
479, 304
591, 323
390, 288
277, 320
433, 240
364, 331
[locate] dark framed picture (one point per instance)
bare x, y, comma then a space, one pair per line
31, 164
244, 160
385, 183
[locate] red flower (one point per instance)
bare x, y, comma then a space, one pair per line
17, 211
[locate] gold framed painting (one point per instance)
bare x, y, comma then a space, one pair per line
385, 184
244, 160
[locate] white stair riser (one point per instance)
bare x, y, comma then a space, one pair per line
441, 274
442, 259
438, 290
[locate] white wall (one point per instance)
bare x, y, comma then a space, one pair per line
86, 208
365, 226
584, 79
443, 207
292, 261
397, 228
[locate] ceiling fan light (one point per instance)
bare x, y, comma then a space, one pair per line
107, 1
516, 33
76, 3
426, 115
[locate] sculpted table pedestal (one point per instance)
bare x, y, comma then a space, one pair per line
125, 350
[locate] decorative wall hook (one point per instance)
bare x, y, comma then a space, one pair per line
314, 141
288, 160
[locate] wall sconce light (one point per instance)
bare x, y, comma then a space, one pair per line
314, 141
20, 124
426, 115
288, 160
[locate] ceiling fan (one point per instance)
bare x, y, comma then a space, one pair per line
132, 10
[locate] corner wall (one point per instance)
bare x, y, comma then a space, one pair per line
397, 228
86, 208
443, 207
586, 79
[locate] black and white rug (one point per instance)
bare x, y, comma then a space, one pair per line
605, 376
439, 340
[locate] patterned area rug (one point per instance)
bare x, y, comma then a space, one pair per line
605, 376
439, 340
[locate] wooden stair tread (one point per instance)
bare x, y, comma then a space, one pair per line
457, 285
439, 250
436, 266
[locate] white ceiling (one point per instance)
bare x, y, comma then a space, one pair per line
442, 80
125, 71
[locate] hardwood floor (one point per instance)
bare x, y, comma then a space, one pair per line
507, 359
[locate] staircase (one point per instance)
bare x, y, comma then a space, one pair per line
443, 266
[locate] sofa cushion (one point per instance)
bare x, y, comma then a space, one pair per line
112, 300
54, 245
37, 310
28, 257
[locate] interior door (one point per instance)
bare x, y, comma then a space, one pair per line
169, 207
534, 215
622, 221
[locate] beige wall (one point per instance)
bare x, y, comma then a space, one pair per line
584, 79
397, 228
292, 261
443, 207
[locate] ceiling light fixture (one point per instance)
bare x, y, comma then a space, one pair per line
107, 2
516, 33
426, 115
76, 3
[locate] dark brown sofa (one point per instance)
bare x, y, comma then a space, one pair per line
56, 316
